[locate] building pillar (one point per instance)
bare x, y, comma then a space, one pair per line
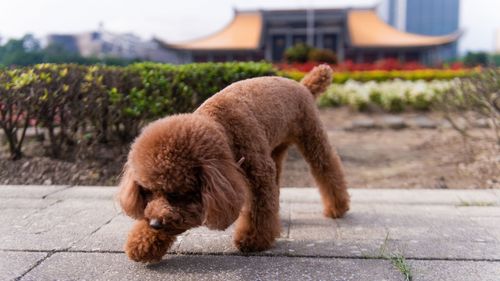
319, 41
340, 47
288, 40
310, 27
268, 52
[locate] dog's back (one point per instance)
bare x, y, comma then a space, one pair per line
272, 104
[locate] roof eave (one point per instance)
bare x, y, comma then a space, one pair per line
216, 49
400, 46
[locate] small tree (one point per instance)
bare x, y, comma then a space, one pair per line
298, 53
322, 55
473, 98
302, 53
476, 58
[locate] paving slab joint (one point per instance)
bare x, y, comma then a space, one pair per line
35, 265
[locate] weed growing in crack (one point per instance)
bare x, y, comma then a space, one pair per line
397, 260
475, 204
400, 263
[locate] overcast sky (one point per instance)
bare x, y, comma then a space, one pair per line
178, 20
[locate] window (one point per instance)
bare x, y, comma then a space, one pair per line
95, 36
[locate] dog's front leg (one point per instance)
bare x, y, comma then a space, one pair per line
145, 244
259, 223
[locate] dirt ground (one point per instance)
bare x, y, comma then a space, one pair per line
378, 158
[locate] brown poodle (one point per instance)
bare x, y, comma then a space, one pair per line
222, 164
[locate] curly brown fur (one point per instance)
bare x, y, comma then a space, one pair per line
185, 171
318, 80
145, 244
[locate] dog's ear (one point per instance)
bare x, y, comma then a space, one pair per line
223, 194
130, 195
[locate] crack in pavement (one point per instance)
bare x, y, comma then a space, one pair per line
56, 191
38, 211
280, 255
92, 232
99, 228
50, 253
35, 265
375, 202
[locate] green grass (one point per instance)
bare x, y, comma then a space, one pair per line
397, 260
475, 204
400, 263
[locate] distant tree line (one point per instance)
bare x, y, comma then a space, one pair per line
28, 51
481, 58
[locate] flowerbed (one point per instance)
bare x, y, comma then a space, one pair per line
383, 64
393, 96
383, 70
381, 75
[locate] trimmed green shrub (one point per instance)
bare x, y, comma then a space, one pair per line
322, 56
298, 53
302, 53
85, 104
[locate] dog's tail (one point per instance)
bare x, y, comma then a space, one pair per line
318, 79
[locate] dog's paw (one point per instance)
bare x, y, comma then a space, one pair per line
336, 211
147, 245
253, 242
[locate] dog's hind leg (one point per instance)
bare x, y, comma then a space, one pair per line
325, 167
278, 155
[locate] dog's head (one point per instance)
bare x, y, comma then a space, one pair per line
181, 174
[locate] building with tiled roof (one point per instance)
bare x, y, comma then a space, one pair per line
352, 34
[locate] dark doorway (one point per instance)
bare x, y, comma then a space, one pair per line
330, 42
279, 46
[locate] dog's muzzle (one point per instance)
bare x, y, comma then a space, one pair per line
156, 224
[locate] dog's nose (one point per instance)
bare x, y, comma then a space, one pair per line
154, 223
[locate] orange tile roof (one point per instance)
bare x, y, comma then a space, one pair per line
367, 30
242, 33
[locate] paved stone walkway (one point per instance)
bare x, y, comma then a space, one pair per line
77, 233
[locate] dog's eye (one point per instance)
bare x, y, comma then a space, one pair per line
174, 196
183, 197
145, 193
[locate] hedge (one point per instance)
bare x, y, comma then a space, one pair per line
84, 104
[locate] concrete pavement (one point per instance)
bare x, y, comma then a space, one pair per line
77, 233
